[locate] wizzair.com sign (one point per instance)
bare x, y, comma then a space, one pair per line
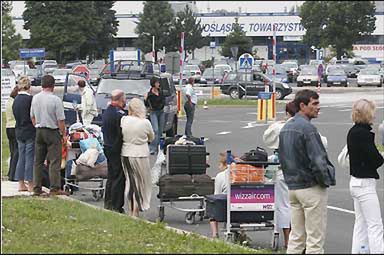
253, 197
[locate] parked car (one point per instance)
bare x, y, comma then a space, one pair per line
314, 62
369, 77
49, 65
60, 75
97, 64
237, 84
280, 73
32, 74
337, 77
133, 84
292, 70
225, 67
330, 68
211, 75
94, 76
194, 71
350, 70
72, 64
308, 76
20, 70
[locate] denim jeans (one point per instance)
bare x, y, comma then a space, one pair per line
24, 167
368, 228
158, 122
190, 112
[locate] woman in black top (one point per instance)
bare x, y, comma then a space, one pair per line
25, 134
155, 101
364, 160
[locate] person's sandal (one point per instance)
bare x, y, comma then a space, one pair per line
58, 193
40, 194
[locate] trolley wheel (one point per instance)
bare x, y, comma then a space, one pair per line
275, 242
201, 214
68, 189
96, 195
229, 237
101, 193
161, 213
190, 218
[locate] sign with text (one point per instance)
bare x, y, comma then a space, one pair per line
31, 53
253, 197
7, 84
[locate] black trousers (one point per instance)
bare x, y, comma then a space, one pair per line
115, 187
13, 152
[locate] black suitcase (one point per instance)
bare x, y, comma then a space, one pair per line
216, 208
186, 159
172, 140
173, 186
204, 185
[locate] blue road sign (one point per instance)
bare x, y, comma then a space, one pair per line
30, 53
264, 95
246, 61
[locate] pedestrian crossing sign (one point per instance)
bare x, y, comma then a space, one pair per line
246, 61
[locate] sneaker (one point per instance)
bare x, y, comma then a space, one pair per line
58, 192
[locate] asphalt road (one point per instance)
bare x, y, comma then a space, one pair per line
236, 129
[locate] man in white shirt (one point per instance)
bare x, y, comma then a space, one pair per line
190, 105
88, 103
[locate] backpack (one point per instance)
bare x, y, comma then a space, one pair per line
258, 155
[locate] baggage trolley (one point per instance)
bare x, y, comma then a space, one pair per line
171, 202
250, 197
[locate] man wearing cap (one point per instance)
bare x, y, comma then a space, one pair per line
47, 115
88, 103
114, 190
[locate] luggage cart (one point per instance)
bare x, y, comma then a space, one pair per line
171, 202
250, 198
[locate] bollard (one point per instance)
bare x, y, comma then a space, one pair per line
205, 105
180, 108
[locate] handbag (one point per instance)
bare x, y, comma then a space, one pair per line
343, 158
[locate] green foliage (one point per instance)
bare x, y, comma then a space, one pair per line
155, 20
69, 29
193, 39
236, 38
11, 42
35, 225
337, 23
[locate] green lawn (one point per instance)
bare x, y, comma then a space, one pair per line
4, 147
35, 225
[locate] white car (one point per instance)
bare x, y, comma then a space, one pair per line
60, 75
308, 76
226, 68
194, 70
369, 77
20, 70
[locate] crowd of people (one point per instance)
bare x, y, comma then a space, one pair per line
36, 131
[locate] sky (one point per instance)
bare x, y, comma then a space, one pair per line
126, 7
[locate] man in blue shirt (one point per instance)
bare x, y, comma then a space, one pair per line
308, 173
114, 190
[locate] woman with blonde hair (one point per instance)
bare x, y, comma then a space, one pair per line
25, 134
137, 133
364, 160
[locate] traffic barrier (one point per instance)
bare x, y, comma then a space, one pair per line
272, 107
180, 108
261, 109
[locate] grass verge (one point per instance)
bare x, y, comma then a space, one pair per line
4, 147
33, 225
380, 147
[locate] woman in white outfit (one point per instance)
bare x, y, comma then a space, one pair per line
364, 160
137, 132
282, 208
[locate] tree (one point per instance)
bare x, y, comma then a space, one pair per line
187, 23
70, 29
236, 38
338, 24
155, 20
11, 42
104, 40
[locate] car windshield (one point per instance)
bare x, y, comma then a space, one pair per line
61, 71
6, 72
139, 87
191, 67
50, 66
336, 72
332, 68
209, 72
278, 68
231, 77
290, 65
369, 71
308, 71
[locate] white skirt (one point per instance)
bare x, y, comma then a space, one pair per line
282, 207
138, 182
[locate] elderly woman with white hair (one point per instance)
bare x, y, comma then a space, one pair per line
25, 134
364, 160
137, 133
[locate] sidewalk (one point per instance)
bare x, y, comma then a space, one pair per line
10, 189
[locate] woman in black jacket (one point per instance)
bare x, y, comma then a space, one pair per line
155, 102
364, 160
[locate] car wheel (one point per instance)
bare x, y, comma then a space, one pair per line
358, 85
328, 85
279, 94
298, 85
173, 130
234, 94
379, 85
